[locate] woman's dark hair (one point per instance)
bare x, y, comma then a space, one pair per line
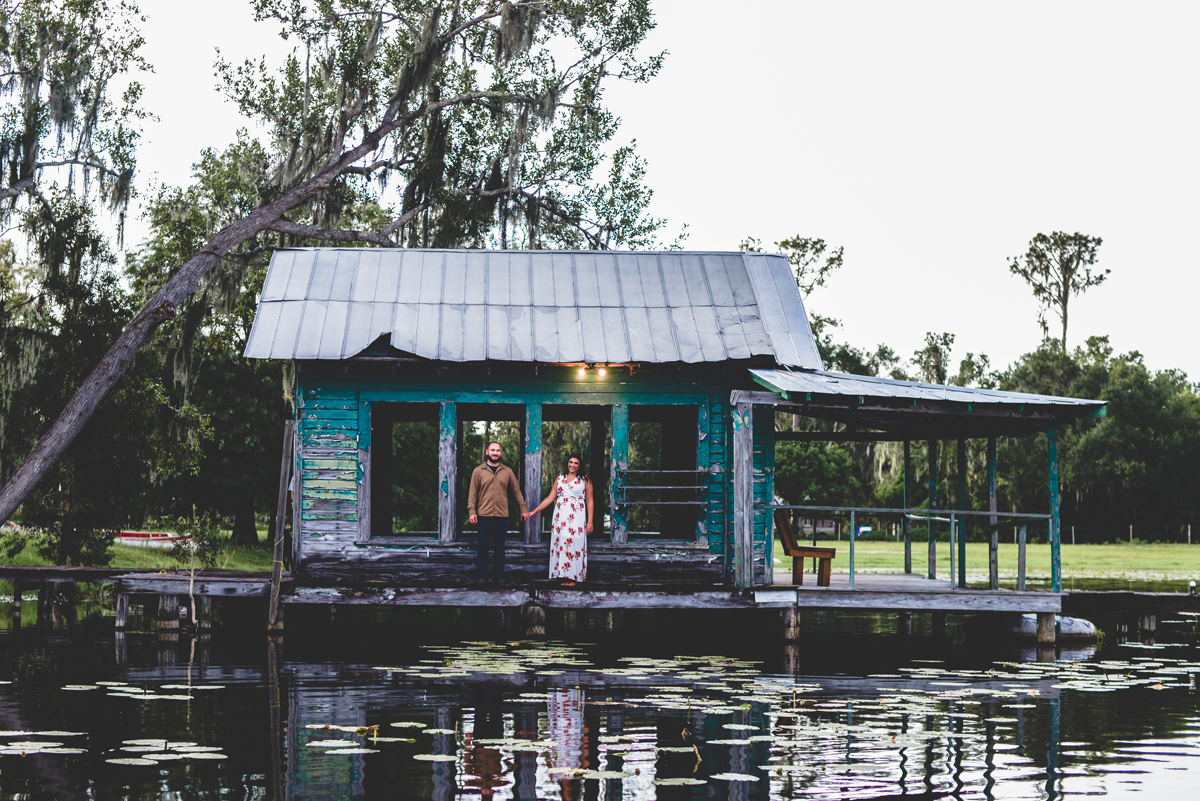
566, 471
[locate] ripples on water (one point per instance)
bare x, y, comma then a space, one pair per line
521, 719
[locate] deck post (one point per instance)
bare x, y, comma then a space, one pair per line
964, 522
904, 520
1055, 539
285, 476
993, 507
933, 477
1045, 628
619, 463
1022, 533
953, 550
743, 495
533, 470
447, 471
904, 624
791, 623
44, 603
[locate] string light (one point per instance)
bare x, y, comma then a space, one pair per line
582, 372
602, 372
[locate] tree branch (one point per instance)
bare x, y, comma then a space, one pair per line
317, 232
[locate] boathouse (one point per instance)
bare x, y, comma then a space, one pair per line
687, 353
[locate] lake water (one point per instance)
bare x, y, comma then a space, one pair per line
666, 706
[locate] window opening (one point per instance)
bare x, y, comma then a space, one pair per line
663, 487
404, 469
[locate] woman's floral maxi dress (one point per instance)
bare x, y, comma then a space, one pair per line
568, 533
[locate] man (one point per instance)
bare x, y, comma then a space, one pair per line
487, 503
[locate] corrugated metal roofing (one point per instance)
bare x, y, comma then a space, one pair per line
547, 306
823, 382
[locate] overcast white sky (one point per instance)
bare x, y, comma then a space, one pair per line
931, 139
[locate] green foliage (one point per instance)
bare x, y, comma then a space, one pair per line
414, 476
201, 546
1058, 267
811, 473
807, 258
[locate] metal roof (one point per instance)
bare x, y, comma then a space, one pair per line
547, 306
822, 382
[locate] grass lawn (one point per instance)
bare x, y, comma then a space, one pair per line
1158, 560
231, 558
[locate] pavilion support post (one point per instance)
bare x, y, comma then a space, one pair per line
743, 495
1055, 538
904, 520
1022, 533
447, 471
168, 613
533, 470
964, 505
122, 609
993, 507
853, 536
616, 473
933, 481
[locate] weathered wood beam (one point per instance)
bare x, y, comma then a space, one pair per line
933, 482
944, 601
447, 471
533, 470
619, 462
285, 475
904, 521
964, 504
743, 495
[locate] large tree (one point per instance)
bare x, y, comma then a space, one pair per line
485, 117
1058, 267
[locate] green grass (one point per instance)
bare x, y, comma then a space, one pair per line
1154, 560
125, 556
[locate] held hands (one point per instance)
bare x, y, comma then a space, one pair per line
525, 516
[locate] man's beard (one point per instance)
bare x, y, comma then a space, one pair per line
493, 461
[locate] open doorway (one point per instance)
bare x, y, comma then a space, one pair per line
479, 424
663, 488
581, 429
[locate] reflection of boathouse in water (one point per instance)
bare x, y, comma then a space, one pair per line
664, 369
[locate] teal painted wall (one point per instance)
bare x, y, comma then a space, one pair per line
333, 418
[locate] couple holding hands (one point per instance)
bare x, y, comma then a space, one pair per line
487, 504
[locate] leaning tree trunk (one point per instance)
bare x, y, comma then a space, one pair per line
244, 531
184, 283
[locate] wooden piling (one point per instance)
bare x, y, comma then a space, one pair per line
791, 623
743, 495
533, 617
168, 614
122, 619
1045, 628
933, 477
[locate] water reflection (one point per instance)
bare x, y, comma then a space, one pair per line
528, 720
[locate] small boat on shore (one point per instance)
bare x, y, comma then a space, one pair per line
149, 539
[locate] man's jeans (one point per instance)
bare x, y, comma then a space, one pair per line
491, 534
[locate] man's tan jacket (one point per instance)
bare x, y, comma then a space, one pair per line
489, 491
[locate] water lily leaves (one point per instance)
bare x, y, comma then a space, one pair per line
131, 761
729, 742
331, 743
353, 751
438, 731
435, 757
678, 749
742, 726
163, 756
81, 687
204, 755
680, 782
392, 740
734, 777
408, 724
59, 733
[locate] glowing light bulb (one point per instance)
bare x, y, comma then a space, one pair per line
602, 372
582, 372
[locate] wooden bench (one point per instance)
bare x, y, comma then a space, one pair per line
792, 547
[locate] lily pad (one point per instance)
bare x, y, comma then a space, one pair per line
203, 755
435, 757
734, 777
680, 782
131, 761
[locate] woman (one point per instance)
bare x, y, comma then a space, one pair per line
572, 523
